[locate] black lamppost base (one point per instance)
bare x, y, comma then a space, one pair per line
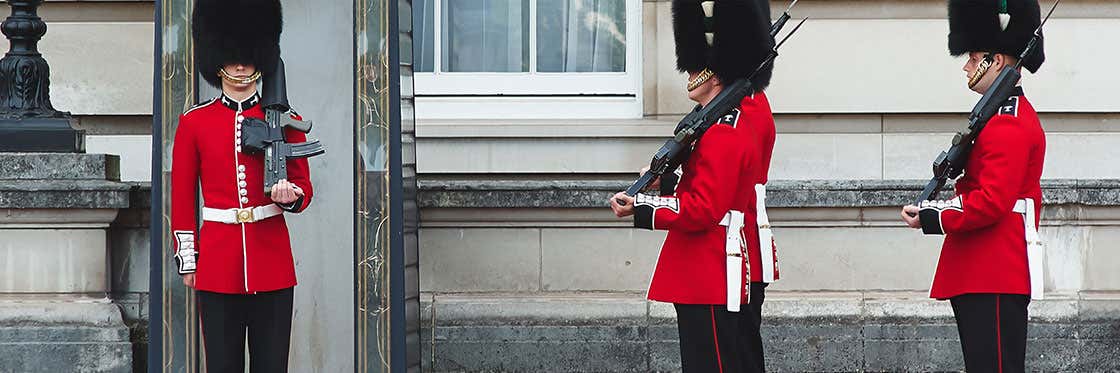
41, 135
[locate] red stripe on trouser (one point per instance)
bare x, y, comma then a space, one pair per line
715, 337
999, 338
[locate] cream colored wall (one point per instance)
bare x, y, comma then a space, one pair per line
884, 56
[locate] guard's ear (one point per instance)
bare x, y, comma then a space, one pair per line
1003, 60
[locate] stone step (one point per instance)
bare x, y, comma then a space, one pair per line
59, 166
801, 331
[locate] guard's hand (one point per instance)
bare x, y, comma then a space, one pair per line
910, 216
622, 210
188, 280
655, 185
285, 192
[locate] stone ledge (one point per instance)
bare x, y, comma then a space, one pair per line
81, 313
59, 166
631, 308
55, 194
436, 193
845, 331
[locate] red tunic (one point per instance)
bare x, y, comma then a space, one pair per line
985, 245
760, 121
718, 177
232, 258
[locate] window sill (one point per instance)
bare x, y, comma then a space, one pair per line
533, 107
546, 128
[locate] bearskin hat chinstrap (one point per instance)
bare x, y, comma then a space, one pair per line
740, 41
974, 26
235, 31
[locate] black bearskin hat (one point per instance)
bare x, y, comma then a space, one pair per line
739, 31
975, 26
235, 31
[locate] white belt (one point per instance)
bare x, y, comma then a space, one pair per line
238, 216
766, 245
1035, 253
734, 221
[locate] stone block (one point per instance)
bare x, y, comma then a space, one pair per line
814, 354
909, 155
1081, 155
909, 307
913, 355
534, 155
941, 83
129, 253
598, 259
66, 357
837, 306
484, 259
83, 335
533, 333
828, 123
135, 152
1099, 356
53, 261
1101, 259
539, 310
60, 166
665, 356
1065, 248
827, 156
855, 259
1052, 355
582, 356
63, 194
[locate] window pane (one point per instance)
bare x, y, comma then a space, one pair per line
581, 36
485, 36
423, 20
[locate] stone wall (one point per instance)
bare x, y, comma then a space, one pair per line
539, 276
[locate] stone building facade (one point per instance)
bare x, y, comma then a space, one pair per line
523, 268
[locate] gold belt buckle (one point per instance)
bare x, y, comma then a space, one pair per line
245, 215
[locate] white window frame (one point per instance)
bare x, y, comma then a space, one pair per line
533, 94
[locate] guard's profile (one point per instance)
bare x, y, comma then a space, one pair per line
991, 261
718, 256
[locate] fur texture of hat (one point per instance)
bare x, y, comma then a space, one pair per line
740, 41
235, 31
974, 26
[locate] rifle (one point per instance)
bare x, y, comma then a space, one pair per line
693, 126
267, 136
950, 163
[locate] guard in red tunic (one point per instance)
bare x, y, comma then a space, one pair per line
240, 258
991, 260
712, 207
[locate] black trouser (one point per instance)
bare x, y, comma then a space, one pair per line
993, 329
715, 340
226, 317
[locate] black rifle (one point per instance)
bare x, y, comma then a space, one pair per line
693, 126
267, 136
950, 163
